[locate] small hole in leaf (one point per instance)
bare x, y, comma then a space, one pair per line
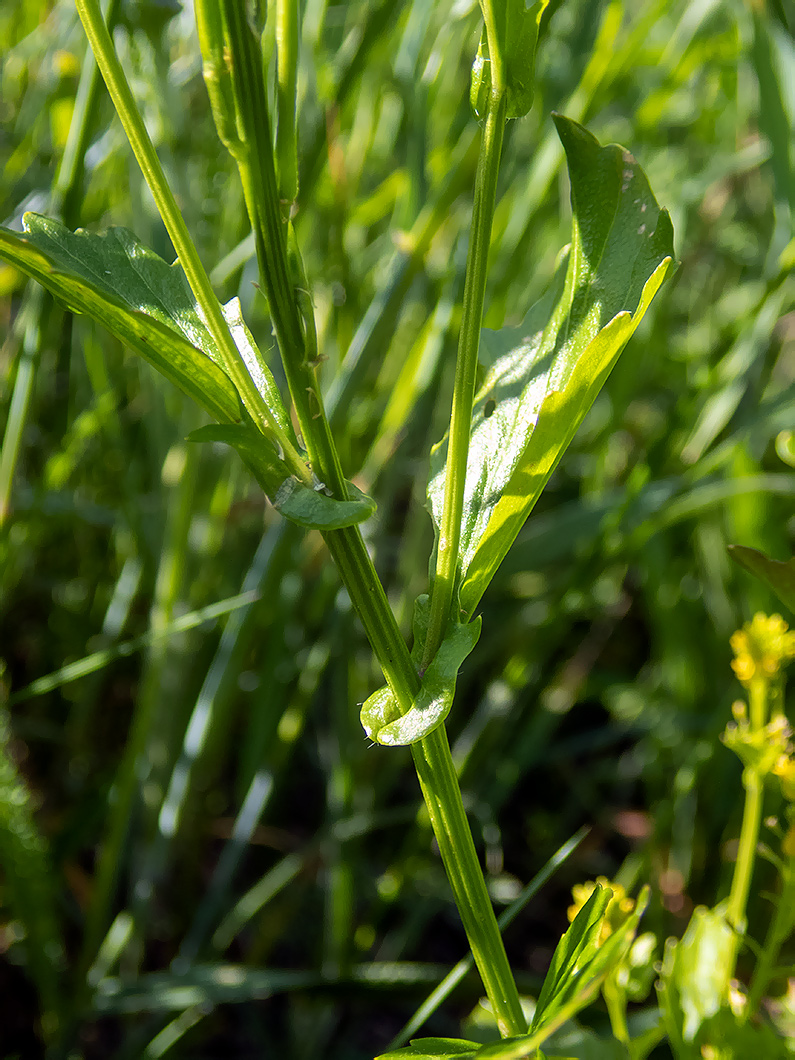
489, 408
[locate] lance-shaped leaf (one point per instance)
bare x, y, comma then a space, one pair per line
779, 575
137, 296
312, 508
380, 715
544, 375
148, 304
582, 961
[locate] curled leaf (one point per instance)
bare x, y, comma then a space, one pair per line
380, 715
514, 30
312, 508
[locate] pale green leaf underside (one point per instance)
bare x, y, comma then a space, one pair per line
380, 716
311, 508
544, 375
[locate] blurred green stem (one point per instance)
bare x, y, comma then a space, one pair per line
777, 934
64, 194
753, 782
465, 372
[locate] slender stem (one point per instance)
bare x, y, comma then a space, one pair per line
432, 757
258, 176
144, 151
776, 936
753, 782
466, 369
287, 23
439, 783
746, 850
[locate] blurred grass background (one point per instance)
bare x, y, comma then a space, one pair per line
255, 845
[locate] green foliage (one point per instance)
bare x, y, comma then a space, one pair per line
145, 302
272, 888
28, 890
544, 375
380, 715
780, 576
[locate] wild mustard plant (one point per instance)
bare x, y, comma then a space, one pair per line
506, 435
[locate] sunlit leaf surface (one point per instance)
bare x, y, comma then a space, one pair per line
543, 376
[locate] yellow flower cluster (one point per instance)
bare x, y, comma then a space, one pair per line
761, 648
618, 908
784, 769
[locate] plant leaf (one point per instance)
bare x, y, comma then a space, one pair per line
545, 374
433, 1049
777, 574
694, 982
145, 302
380, 716
580, 963
311, 508
515, 28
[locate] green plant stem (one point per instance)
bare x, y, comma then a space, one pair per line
753, 782
287, 27
144, 151
466, 369
433, 759
294, 329
439, 783
777, 934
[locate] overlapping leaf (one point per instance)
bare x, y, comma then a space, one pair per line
149, 305
380, 715
135, 294
515, 30
543, 376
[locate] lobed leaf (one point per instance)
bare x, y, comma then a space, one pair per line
543, 376
148, 304
137, 296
